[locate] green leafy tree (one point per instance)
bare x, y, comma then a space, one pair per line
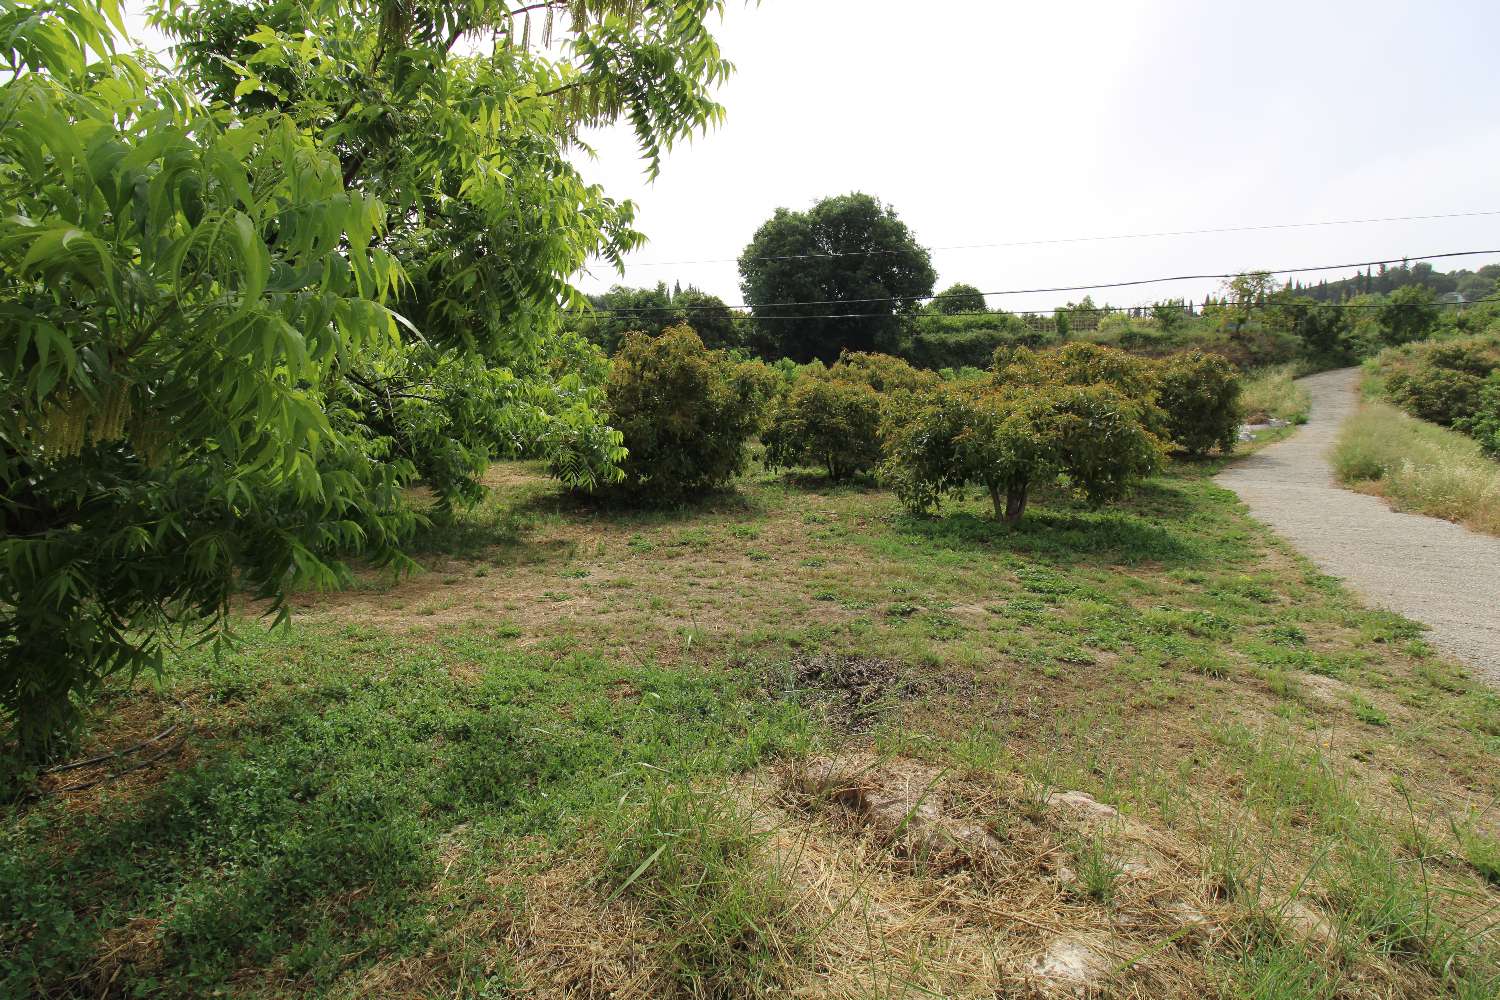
1169, 316
1136, 379
832, 416
828, 421
178, 297
1010, 439
1200, 394
1482, 423
959, 298
212, 378
1409, 313
686, 413
709, 316
1322, 328
607, 318
853, 263
1244, 293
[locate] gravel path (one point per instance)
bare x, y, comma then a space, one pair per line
1430, 570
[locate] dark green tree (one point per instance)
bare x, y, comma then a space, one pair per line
851, 266
959, 298
1322, 327
1409, 313
709, 316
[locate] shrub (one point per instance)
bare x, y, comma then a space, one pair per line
685, 413
1200, 394
1010, 438
882, 372
826, 420
1440, 395
1483, 424
1079, 363
831, 417
937, 341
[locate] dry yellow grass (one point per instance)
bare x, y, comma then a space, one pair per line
1419, 467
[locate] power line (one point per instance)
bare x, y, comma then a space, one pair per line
1186, 307
637, 310
1086, 239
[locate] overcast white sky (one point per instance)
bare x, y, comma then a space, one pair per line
985, 121
998, 121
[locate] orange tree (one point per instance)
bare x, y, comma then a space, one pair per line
1200, 395
685, 413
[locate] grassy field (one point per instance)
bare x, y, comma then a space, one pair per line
1419, 466
791, 742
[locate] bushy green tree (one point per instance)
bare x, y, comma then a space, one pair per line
959, 298
851, 260
1200, 394
686, 413
832, 416
1079, 363
882, 372
1409, 313
607, 318
205, 385
829, 421
709, 316
1322, 328
1482, 423
1012, 438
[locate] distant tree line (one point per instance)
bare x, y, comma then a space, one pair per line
1472, 285
847, 275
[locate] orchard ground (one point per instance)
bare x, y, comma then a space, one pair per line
790, 741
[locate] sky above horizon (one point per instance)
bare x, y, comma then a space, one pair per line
1017, 122
1006, 123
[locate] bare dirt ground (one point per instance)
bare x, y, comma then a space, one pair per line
1435, 572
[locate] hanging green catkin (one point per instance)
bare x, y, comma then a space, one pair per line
64, 425
109, 425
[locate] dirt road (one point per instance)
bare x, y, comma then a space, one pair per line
1430, 570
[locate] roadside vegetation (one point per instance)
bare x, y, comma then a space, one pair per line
1427, 436
1273, 394
1419, 466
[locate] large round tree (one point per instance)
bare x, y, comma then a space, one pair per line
833, 278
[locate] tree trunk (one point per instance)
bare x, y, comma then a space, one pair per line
996, 496
1015, 502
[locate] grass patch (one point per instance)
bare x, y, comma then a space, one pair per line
442, 785
725, 913
1419, 466
1273, 393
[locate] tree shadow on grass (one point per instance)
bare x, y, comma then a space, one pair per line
1161, 523
310, 836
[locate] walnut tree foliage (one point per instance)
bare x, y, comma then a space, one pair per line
248, 303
